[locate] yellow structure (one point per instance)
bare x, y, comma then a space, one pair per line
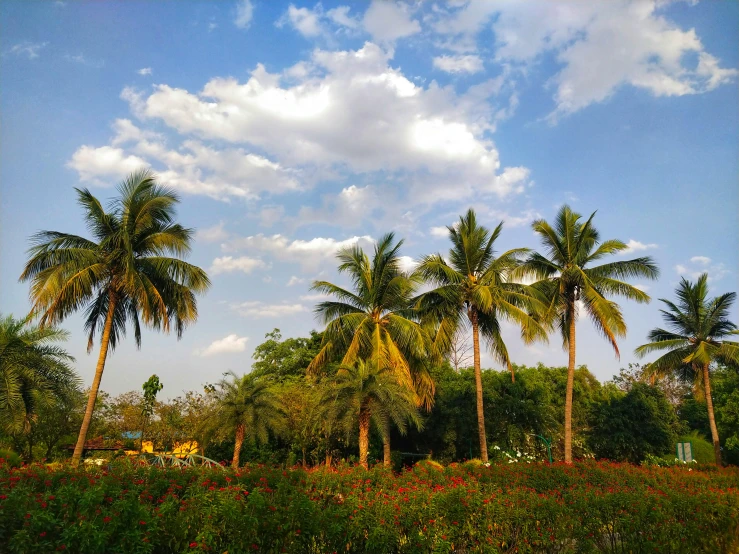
180, 449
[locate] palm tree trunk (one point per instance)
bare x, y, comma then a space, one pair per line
570, 383
478, 385
364, 427
104, 343
711, 418
386, 447
237, 446
328, 458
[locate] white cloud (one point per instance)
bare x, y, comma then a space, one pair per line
29, 49
310, 254
307, 22
258, 309
227, 345
315, 297
144, 71
295, 281
126, 132
407, 264
244, 14
103, 165
228, 264
459, 64
439, 232
82, 60
636, 246
388, 21
601, 46
270, 215
701, 264
340, 16
216, 233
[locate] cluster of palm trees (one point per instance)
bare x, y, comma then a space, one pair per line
387, 330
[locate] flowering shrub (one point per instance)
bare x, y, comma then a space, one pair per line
524, 508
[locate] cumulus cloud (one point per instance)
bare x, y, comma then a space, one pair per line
439, 232
144, 71
636, 246
702, 260
294, 280
244, 14
601, 46
389, 21
103, 165
229, 264
227, 345
216, 233
304, 20
257, 309
459, 64
310, 254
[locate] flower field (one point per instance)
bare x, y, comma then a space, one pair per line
587, 507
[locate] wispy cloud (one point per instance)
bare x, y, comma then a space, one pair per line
29, 49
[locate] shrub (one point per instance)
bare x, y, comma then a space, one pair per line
10, 458
522, 508
702, 449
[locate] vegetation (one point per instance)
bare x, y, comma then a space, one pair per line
132, 272
695, 341
526, 508
567, 279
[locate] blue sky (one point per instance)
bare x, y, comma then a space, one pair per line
293, 129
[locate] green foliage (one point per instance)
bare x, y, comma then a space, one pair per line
284, 359
526, 508
34, 372
10, 458
702, 448
634, 425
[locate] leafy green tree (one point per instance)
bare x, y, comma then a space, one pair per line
34, 372
132, 272
632, 425
374, 321
367, 392
151, 389
246, 407
569, 281
474, 287
695, 340
283, 359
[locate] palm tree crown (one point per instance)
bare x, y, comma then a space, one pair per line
568, 278
695, 339
132, 271
34, 371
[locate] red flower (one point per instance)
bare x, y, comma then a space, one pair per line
142, 523
42, 534
193, 545
107, 519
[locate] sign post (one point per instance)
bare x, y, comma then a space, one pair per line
685, 451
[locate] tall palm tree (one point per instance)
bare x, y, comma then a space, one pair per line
366, 392
694, 342
132, 271
34, 372
568, 279
248, 407
374, 321
473, 287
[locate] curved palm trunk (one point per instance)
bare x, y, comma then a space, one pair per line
711, 418
364, 427
237, 446
570, 384
478, 385
386, 448
104, 343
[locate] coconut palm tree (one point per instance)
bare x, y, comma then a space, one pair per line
246, 407
131, 272
374, 321
568, 280
694, 341
34, 372
473, 288
366, 392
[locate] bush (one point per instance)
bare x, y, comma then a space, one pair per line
522, 508
10, 458
702, 449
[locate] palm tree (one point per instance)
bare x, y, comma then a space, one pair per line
366, 392
474, 287
248, 407
34, 372
374, 322
131, 272
694, 342
568, 279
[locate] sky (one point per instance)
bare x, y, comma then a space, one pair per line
293, 129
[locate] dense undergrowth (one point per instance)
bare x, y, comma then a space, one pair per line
587, 507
